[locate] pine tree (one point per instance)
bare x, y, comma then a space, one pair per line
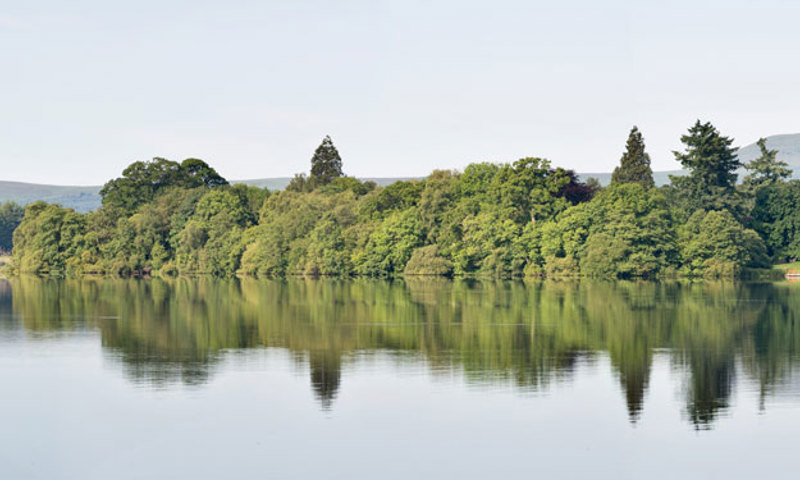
634, 165
712, 164
326, 164
765, 170
709, 157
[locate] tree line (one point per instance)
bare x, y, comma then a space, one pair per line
526, 218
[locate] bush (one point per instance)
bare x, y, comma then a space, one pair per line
561, 267
715, 244
426, 261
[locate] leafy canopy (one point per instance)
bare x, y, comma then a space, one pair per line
506, 220
141, 181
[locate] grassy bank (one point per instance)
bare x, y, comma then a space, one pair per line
785, 267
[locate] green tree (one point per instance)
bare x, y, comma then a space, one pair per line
765, 170
502, 220
529, 189
326, 164
626, 231
252, 198
211, 240
487, 246
299, 183
776, 216
427, 261
390, 245
10, 216
49, 240
343, 184
709, 156
633, 234
436, 201
215, 203
197, 173
712, 165
141, 181
396, 196
715, 244
634, 165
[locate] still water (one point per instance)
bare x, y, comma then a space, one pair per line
202, 378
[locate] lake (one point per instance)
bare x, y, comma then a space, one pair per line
422, 378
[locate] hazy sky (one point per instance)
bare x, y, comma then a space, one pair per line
403, 87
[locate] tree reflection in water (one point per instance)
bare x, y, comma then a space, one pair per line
526, 334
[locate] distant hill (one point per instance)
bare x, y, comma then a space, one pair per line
661, 178
82, 199
279, 183
788, 147
85, 199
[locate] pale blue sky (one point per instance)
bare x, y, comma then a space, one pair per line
402, 86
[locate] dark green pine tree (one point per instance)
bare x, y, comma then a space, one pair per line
709, 157
712, 164
765, 170
326, 164
634, 167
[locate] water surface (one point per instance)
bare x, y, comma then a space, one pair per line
203, 378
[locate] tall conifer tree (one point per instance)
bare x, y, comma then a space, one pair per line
765, 170
326, 164
709, 157
634, 166
712, 163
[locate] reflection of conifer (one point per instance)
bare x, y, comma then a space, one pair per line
165, 331
6, 303
326, 375
635, 378
712, 383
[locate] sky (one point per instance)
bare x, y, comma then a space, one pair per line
403, 87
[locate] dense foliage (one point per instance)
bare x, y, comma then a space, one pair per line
522, 218
326, 167
712, 165
10, 216
777, 218
142, 181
